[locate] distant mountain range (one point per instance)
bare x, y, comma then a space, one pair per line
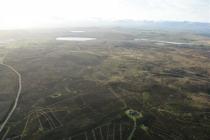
198, 27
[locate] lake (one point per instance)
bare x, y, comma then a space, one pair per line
161, 41
77, 31
74, 38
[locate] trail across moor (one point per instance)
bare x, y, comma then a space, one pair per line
17, 95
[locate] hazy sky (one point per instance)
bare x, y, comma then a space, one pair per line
34, 13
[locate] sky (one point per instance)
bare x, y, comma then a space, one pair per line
37, 13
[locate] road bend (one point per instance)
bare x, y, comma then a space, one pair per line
16, 98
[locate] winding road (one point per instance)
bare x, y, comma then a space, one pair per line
17, 96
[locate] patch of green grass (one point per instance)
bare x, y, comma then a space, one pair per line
144, 128
133, 114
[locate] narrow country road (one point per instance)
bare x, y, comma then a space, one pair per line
17, 95
133, 130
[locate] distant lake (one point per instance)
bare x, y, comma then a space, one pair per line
77, 31
74, 38
161, 41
